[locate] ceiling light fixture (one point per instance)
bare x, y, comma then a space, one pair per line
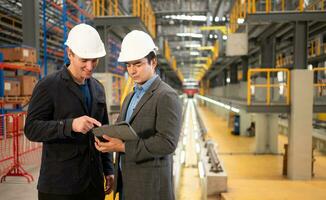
240, 21
194, 35
194, 53
201, 18
193, 45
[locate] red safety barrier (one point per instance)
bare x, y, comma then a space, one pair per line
15, 148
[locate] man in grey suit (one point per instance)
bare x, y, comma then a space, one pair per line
143, 167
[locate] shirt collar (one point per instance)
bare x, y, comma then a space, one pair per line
146, 85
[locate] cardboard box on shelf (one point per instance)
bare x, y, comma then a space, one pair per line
19, 54
27, 84
12, 88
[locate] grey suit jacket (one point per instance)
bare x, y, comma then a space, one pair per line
147, 163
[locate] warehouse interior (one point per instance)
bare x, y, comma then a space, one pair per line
251, 75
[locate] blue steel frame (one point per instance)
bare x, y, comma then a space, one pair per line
65, 30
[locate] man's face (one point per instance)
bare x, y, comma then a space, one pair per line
82, 68
140, 70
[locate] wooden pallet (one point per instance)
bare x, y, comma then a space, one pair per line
23, 100
24, 64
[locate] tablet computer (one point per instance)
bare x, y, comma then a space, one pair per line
121, 130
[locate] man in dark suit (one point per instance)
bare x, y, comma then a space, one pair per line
144, 167
63, 109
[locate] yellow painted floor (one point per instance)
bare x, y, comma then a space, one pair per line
252, 177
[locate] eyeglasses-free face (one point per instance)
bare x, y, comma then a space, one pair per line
140, 70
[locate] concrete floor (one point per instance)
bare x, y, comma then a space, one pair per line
256, 177
17, 188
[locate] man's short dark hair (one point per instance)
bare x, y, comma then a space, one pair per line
150, 57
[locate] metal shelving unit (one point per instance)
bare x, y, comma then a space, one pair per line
57, 20
17, 102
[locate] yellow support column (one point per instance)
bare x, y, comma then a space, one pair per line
268, 95
102, 7
146, 13
244, 8
98, 8
134, 7
288, 87
127, 88
93, 7
110, 7
318, 46
143, 10
138, 7
116, 11
254, 6
322, 5
301, 5
249, 87
249, 6
267, 6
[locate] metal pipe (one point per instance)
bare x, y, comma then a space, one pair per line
45, 55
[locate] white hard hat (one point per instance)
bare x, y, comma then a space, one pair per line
136, 45
85, 42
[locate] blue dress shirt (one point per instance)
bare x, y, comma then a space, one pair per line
139, 91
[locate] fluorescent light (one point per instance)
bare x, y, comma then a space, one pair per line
197, 148
201, 18
194, 53
201, 169
240, 20
310, 67
280, 76
236, 110
183, 157
252, 89
193, 45
218, 103
190, 83
184, 142
281, 92
194, 35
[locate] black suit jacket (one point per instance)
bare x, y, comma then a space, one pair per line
70, 161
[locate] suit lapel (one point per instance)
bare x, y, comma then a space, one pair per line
146, 97
73, 87
125, 106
